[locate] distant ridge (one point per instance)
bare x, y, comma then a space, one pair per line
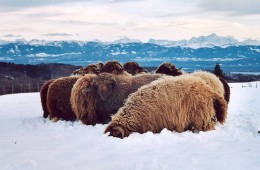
197, 53
211, 40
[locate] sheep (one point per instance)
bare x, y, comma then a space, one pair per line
134, 68
114, 67
177, 103
81, 97
217, 83
226, 89
94, 101
58, 99
92, 68
43, 95
169, 69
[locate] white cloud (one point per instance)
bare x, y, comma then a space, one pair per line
58, 34
139, 19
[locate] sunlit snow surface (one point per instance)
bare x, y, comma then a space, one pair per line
28, 141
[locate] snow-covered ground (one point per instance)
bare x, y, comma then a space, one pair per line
28, 141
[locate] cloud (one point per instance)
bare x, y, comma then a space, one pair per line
9, 5
59, 35
232, 7
11, 36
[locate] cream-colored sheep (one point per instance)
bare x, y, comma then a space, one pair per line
177, 103
217, 83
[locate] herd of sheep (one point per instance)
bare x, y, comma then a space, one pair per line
131, 99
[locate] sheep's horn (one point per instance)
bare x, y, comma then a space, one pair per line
119, 129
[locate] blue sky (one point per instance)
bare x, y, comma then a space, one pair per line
109, 20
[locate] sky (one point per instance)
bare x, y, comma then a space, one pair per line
109, 20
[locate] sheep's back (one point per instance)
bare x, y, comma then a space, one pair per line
58, 102
212, 80
169, 103
81, 96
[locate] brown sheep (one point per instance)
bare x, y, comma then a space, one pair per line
176, 103
114, 67
80, 97
59, 106
169, 69
92, 68
226, 89
43, 95
134, 68
58, 99
105, 95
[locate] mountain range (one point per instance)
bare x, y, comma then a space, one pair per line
196, 53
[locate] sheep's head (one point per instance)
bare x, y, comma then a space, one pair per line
104, 85
115, 131
134, 68
92, 68
113, 67
168, 68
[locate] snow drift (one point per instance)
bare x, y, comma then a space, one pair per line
28, 141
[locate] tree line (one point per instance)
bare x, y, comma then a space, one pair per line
19, 78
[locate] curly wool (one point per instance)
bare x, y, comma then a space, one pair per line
81, 96
43, 95
176, 103
116, 89
217, 83
58, 98
134, 68
90, 69
169, 69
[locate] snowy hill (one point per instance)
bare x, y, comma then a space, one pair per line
242, 58
29, 141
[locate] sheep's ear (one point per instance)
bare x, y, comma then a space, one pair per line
105, 90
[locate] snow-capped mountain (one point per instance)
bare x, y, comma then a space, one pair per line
211, 40
250, 42
125, 40
233, 55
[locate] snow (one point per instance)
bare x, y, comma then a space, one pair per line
28, 141
52, 55
208, 41
119, 53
